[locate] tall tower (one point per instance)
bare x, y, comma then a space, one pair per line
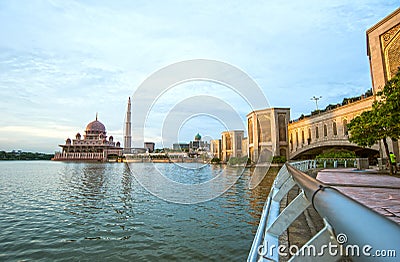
128, 134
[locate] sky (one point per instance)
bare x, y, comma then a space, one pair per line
63, 61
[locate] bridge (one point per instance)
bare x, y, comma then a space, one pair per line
313, 134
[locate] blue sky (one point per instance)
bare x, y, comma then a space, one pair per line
63, 61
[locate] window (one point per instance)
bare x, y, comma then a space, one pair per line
325, 130
282, 127
250, 129
291, 141
239, 142
334, 128
345, 130
316, 132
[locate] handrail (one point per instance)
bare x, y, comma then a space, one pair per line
258, 237
362, 225
342, 215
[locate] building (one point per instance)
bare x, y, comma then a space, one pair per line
215, 148
306, 137
93, 147
128, 129
150, 146
180, 146
198, 144
245, 147
383, 50
192, 146
268, 134
128, 150
325, 130
313, 134
231, 144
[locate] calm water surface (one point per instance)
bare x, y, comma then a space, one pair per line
59, 211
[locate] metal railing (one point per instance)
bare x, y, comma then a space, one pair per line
343, 217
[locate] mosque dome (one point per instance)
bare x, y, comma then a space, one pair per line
197, 137
96, 126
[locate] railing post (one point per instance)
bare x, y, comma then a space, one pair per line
289, 214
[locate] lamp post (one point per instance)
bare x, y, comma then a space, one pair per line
316, 100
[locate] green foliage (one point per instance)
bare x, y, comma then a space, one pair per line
237, 160
215, 160
278, 160
162, 156
24, 156
337, 154
365, 129
382, 121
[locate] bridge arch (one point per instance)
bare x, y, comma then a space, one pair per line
312, 150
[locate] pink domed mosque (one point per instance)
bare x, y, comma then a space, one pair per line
93, 147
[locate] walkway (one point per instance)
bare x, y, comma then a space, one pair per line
380, 193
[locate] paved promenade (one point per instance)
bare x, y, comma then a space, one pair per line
379, 192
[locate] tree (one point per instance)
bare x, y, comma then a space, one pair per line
382, 121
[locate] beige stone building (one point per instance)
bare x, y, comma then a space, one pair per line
231, 144
383, 49
271, 134
215, 148
311, 135
268, 134
245, 147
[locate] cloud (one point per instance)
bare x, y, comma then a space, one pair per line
63, 61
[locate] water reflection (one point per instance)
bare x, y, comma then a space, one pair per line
258, 195
84, 211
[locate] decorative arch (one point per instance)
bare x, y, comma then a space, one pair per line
345, 129
334, 128
391, 44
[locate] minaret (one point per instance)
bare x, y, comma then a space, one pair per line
128, 134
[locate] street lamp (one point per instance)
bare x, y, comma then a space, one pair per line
316, 100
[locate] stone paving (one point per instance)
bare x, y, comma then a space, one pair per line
379, 192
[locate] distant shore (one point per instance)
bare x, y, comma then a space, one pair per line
20, 155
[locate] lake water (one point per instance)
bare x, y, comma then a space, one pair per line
60, 211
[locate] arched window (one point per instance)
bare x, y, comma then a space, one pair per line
334, 128
345, 130
316, 132
325, 130
291, 141
302, 137
309, 136
250, 130
282, 127
228, 142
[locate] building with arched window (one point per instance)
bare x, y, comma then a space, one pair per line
93, 147
268, 134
